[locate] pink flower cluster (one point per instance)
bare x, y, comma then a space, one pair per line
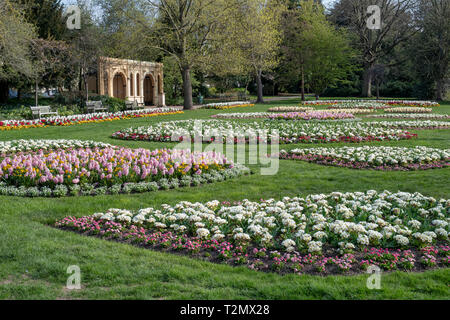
312, 115
105, 166
260, 258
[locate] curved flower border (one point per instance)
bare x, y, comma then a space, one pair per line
409, 110
228, 105
127, 188
25, 146
289, 132
86, 118
412, 116
306, 116
402, 103
376, 158
319, 234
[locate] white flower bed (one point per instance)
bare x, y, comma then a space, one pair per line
365, 105
408, 110
339, 219
289, 131
14, 146
417, 124
373, 157
413, 116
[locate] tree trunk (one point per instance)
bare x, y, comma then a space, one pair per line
259, 85
378, 90
86, 87
4, 91
303, 85
367, 82
36, 93
187, 88
439, 89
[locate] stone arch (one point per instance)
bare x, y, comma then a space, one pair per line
120, 85
149, 89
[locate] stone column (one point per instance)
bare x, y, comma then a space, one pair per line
155, 91
135, 93
100, 78
128, 88
110, 84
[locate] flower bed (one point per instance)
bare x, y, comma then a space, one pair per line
409, 110
290, 109
244, 115
364, 105
317, 234
309, 115
413, 116
381, 103
312, 115
352, 110
228, 105
408, 103
265, 131
378, 158
415, 125
86, 118
109, 170
16, 146
319, 103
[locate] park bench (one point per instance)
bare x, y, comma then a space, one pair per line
40, 111
95, 106
134, 105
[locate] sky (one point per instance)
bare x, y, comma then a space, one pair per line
327, 3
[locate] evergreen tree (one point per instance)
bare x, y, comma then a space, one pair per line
46, 16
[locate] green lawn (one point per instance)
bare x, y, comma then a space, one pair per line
34, 256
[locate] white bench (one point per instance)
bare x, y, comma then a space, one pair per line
95, 106
133, 105
40, 111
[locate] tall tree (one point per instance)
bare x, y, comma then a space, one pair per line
46, 15
259, 35
49, 56
397, 26
188, 31
122, 33
313, 49
86, 45
433, 43
15, 40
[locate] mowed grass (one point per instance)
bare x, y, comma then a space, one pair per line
34, 256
